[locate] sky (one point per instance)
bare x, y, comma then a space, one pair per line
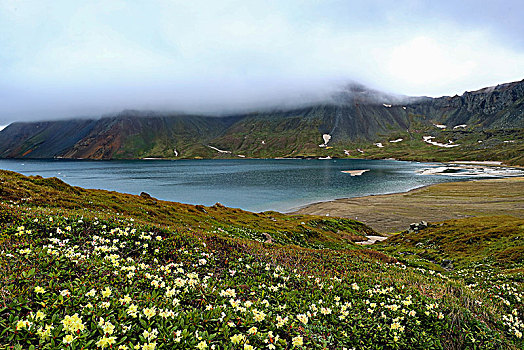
63, 59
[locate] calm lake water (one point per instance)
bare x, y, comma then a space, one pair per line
251, 184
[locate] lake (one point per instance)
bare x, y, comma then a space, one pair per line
250, 184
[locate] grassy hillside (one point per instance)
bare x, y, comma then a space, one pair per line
96, 269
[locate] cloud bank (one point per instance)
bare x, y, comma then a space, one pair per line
86, 58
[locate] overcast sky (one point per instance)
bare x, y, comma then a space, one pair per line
85, 58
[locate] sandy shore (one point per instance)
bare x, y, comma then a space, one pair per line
453, 200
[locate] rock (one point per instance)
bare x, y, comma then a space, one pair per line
145, 195
447, 264
268, 238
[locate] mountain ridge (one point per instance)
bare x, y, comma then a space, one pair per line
356, 121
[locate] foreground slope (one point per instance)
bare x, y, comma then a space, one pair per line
83, 269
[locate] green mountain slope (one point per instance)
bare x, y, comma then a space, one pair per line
484, 124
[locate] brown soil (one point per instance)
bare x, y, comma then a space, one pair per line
455, 200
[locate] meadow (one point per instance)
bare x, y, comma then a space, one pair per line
89, 269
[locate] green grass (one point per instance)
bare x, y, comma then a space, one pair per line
496, 240
141, 274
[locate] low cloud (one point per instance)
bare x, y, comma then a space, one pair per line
65, 59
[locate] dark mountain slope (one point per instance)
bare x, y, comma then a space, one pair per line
498, 107
138, 135
42, 139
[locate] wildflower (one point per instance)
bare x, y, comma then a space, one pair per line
65, 293
91, 293
45, 333
252, 330
23, 324
105, 341
302, 318
248, 347
148, 346
39, 290
326, 311
68, 339
297, 341
108, 328
259, 316
281, 321
150, 335
202, 345
178, 336
150, 312
73, 323
126, 299
237, 338
106, 292
228, 292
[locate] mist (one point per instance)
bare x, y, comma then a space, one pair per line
61, 59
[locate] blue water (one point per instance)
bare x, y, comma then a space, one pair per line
251, 184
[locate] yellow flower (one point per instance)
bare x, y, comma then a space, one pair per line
303, 318
105, 341
202, 345
73, 323
297, 341
248, 347
150, 312
148, 346
45, 333
39, 290
68, 339
106, 292
126, 299
132, 310
237, 338
108, 328
23, 324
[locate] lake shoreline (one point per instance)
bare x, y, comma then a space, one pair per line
393, 212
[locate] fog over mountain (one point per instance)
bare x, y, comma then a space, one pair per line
62, 59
